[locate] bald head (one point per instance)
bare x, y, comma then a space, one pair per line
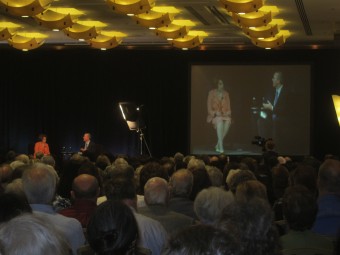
85, 186
156, 191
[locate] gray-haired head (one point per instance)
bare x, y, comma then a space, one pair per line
181, 183
37, 236
210, 202
156, 191
39, 183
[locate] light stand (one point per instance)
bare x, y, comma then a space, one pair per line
133, 117
141, 140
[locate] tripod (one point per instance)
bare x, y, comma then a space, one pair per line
141, 140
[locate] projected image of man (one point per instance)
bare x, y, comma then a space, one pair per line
280, 108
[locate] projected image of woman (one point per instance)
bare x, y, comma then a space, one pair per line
219, 112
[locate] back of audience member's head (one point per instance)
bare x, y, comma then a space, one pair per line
6, 173
251, 163
10, 156
102, 161
30, 234
12, 205
202, 240
48, 160
120, 170
168, 166
150, 170
251, 189
329, 177
252, 224
16, 187
215, 176
239, 177
39, 183
181, 183
299, 208
39, 155
112, 229
23, 158
85, 186
210, 202
304, 175
16, 163
195, 164
201, 181
120, 189
19, 171
280, 180
156, 191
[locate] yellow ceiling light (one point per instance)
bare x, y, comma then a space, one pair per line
165, 9
58, 18
242, 6
84, 30
7, 30
252, 19
261, 32
177, 28
270, 8
27, 41
154, 19
131, 6
336, 102
191, 40
272, 42
107, 40
25, 7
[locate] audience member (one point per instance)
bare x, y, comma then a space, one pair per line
39, 183
328, 217
112, 229
156, 196
299, 209
210, 203
202, 239
152, 234
85, 191
31, 234
252, 224
181, 183
251, 189
215, 176
12, 205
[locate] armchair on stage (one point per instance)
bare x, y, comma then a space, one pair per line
132, 114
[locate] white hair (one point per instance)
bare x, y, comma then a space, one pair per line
39, 183
156, 191
209, 204
30, 234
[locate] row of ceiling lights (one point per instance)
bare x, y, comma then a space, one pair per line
161, 19
255, 19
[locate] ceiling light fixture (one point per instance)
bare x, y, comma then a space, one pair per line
84, 29
131, 6
25, 7
107, 40
244, 6
7, 30
26, 41
58, 18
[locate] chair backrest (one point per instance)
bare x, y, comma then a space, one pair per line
306, 251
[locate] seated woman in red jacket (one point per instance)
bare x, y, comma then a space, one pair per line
41, 146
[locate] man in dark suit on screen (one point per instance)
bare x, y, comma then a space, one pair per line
280, 106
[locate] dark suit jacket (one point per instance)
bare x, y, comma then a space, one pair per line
91, 148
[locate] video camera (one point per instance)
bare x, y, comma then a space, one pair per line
259, 141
